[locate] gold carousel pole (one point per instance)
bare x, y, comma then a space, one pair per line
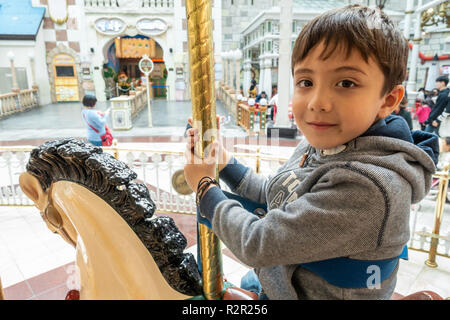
201, 64
2, 295
438, 212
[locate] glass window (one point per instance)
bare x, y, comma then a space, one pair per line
6, 84
64, 71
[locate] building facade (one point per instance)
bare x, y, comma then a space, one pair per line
259, 40
78, 40
75, 39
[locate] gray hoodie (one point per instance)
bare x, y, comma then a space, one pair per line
353, 201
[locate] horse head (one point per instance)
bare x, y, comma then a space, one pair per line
92, 201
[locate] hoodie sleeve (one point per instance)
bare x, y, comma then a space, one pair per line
244, 181
321, 224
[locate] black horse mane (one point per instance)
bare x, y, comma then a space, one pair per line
82, 163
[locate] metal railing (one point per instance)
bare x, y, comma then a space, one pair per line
154, 4
155, 168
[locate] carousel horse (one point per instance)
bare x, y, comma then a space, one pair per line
122, 251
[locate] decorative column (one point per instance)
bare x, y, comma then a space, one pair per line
284, 64
15, 86
267, 87
224, 68
238, 57
411, 85
408, 15
33, 73
247, 76
230, 70
261, 73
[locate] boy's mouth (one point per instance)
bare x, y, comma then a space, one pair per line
318, 125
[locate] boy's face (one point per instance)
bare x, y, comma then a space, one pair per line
338, 99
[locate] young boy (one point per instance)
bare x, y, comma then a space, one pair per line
339, 207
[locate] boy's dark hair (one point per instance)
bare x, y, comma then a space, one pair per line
89, 101
442, 79
368, 30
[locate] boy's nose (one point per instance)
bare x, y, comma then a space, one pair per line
319, 102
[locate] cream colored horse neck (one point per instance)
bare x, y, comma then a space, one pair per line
112, 261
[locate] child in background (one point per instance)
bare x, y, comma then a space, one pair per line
422, 113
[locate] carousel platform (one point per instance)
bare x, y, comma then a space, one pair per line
36, 264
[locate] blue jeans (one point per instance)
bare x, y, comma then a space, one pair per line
95, 143
251, 282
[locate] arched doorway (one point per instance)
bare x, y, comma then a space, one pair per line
64, 74
122, 55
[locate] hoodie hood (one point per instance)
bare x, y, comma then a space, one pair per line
396, 127
412, 154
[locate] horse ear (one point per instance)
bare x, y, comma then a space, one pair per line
33, 190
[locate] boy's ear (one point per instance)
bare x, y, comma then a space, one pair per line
391, 101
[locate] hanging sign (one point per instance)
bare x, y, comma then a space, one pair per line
146, 65
134, 47
152, 26
110, 26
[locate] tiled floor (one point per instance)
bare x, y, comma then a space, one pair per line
36, 264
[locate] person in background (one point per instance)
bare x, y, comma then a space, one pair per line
274, 91
422, 112
435, 93
421, 94
253, 90
437, 114
261, 96
94, 120
430, 99
401, 111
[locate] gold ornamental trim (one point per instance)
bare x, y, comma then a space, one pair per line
179, 183
59, 21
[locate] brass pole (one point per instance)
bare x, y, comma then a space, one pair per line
201, 64
258, 160
439, 210
2, 295
115, 148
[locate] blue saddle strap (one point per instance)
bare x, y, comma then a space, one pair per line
355, 274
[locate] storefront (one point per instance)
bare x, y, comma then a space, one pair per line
123, 47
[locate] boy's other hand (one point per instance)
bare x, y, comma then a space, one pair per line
192, 138
197, 168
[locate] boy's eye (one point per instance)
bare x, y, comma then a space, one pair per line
304, 83
346, 84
